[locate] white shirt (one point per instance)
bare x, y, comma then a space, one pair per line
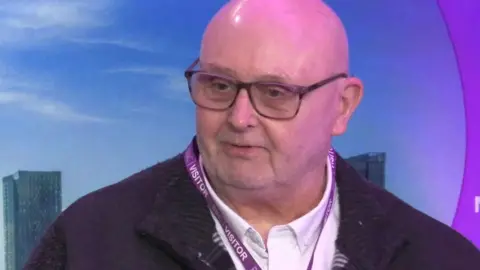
289, 246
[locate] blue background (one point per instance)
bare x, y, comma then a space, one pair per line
95, 89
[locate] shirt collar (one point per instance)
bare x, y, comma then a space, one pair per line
306, 228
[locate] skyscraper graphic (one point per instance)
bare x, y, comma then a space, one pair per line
31, 202
371, 166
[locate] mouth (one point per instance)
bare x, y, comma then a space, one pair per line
241, 150
241, 145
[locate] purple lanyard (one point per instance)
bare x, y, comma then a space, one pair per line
193, 168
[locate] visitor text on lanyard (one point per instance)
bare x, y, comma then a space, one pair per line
191, 158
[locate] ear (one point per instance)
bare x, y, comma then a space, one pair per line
351, 94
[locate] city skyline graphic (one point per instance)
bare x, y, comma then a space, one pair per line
95, 89
31, 202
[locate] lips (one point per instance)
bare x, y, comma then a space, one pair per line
241, 150
242, 146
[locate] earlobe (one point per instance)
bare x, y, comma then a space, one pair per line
351, 96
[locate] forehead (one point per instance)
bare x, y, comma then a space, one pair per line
277, 75
291, 54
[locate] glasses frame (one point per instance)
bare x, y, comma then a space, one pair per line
300, 90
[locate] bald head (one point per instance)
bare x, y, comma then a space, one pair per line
287, 37
274, 42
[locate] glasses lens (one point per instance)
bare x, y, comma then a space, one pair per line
212, 91
218, 93
275, 100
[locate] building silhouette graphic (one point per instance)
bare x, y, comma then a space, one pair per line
31, 202
371, 166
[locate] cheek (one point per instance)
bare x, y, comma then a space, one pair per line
291, 146
309, 133
208, 125
321, 118
284, 141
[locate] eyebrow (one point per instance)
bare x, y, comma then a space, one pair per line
211, 67
222, 70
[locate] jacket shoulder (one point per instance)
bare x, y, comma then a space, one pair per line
110, 212
128, 198
426, 235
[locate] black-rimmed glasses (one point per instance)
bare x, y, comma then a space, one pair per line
269, 99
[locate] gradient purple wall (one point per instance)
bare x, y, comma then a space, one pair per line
463, 25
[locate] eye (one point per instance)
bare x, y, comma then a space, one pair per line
274, 91
219, 84
212, 83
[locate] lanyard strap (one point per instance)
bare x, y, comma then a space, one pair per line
197, 177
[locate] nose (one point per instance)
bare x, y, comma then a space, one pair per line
242, 115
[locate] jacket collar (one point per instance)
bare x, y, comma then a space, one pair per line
366, 234
181, 224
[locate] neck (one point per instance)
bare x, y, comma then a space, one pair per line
278, 205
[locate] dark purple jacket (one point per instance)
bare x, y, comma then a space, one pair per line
156, 220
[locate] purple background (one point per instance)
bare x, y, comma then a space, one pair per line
463, 23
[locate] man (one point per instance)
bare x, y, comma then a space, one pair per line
259, 187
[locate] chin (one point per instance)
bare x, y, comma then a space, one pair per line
245, 180
246, 184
